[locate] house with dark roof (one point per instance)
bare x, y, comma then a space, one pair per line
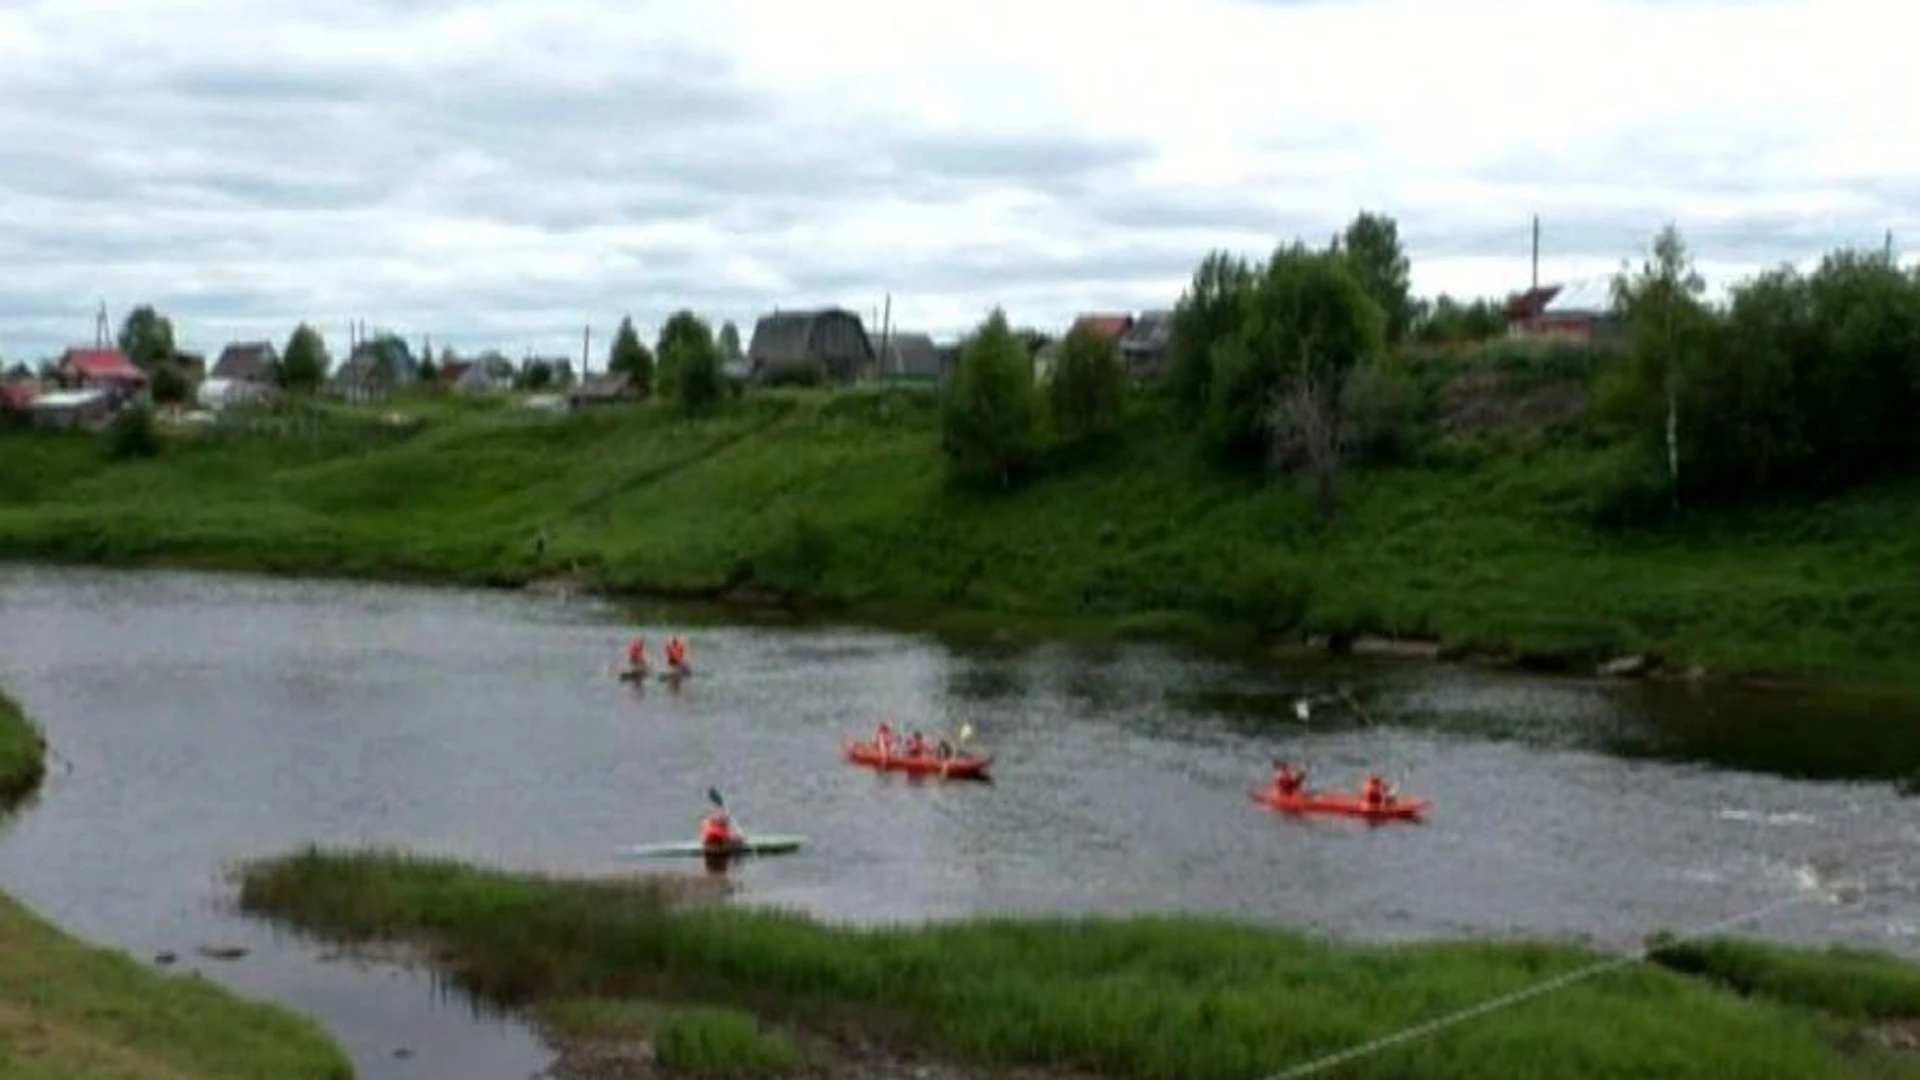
1143, 347
247, 362
912, 357
831, 341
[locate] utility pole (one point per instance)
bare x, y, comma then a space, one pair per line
101, 329
886, 327
586, 349
1889, 245
1536, 252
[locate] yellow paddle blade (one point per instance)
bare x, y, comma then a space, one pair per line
966, 732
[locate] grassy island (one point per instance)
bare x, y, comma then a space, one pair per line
726, 990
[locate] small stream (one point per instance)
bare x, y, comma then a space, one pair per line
204, 719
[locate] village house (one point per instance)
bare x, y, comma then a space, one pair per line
1581, 312
488, 373
1143, 347
104, 369
910, 357
831, 341
1105, 326
608, 388
246, 362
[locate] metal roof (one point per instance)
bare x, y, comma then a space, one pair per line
1582, 296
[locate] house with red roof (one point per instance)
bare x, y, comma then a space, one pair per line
93, 368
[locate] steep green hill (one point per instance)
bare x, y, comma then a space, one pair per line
844, 498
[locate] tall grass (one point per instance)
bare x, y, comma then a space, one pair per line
1487, 543
1147, 998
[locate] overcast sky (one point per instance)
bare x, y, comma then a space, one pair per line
503, 174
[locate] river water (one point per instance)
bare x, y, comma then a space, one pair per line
204, 719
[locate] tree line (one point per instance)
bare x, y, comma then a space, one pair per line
1802, 382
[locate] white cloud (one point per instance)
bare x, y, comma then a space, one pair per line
499, 174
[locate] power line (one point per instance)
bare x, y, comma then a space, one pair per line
1844, 894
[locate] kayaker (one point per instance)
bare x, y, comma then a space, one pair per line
883, 737
637, 653
916, 745
676, 652
1375, 791
944, 751
716, 830
1288, 780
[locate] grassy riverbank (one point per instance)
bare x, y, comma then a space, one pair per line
23, 756
1147, 998
1488, 547
69, 1011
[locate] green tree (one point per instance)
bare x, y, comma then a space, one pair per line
303, 363
1280, 383
132, 433
146, 336
169, 385
1671, 328
536, 376
989, 419
1087, 392
729, 343
689, 361
1207, 315
628, 356
1371, 244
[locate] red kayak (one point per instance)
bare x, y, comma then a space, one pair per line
1345, 803
957, 767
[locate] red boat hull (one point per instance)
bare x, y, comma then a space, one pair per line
958, 767
1342, 803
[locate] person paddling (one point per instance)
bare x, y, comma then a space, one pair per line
1375, 792
677, 654
1288, 780
637, 654
716, 830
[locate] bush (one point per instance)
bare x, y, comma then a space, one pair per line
990, 417
132, 433
1388, 412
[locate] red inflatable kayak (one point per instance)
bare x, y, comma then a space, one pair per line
1345, 803
957, 767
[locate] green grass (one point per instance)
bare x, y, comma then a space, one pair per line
69, 1011
23, 760
1146, 998
843, 499
692, 1040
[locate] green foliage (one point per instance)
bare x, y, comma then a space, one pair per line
132, 433
1388, 412
629, 356
1302, 328
689, 362
22, 754
1087, 393
1807, 381
1208, 313
1846, 983
169, 385
1146, 998
721, 1044
1447, 321
304, 362
990, 423
728, 342
146, 336
1371, 245
535, 377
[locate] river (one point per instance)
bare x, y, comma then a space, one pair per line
201, 719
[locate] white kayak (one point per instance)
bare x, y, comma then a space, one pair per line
764, 844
